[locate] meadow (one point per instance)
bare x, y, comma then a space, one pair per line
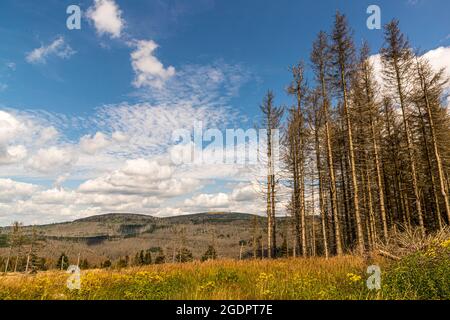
420, 275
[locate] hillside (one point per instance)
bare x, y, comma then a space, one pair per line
112, 236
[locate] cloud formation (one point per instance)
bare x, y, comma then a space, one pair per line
119, 159
58, 48
149, 71
107, 18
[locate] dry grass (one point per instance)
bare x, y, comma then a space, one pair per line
411, 240
423, 272
313, 278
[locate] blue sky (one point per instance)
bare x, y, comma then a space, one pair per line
214, 61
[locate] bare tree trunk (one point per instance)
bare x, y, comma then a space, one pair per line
334, 210
296, 192
379, 183
302, 212
359, 230
313, 216
7, 259
274, 221
28, 261
269, 216
321, 192
17, 262
373, 228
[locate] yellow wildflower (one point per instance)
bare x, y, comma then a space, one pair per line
446, 244
354, 277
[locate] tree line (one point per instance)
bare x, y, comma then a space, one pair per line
362, 158
22, 255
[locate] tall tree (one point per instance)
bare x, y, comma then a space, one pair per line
316, 123
343, 59
271, 122
368, 88
398, 58
299, 90
320, 58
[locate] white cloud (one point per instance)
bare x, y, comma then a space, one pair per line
10, 127
3, 87
150, 72
152, 169
147, 129
439, 58
48, 134
57, 48
54, 196
208, 201
12, 154
141, 177
91, 145
11, 190
120, 137
200, 85
107, 18
244, 192
52, 159
118, 159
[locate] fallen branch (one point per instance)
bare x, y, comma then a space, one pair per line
388, 255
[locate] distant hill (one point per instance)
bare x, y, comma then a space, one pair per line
115, 235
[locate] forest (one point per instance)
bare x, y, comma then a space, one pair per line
372, 144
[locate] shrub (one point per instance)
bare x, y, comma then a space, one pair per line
421, 275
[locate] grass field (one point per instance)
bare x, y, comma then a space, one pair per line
422, 275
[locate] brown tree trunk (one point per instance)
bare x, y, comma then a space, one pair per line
359, 230
321, 192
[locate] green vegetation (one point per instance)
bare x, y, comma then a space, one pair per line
420, 275
3, 241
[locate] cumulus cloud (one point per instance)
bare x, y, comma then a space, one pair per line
54, 196
91, 145
10, 127
208, 201
152, 169
141, 177
107, 18
439, 58
150, 72
11, 190
244, 192
12, 154
52, 159
58, 48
